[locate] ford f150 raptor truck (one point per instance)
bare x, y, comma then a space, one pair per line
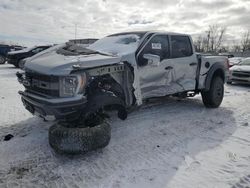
118, 72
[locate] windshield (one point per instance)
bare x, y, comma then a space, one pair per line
245, 62
118, 43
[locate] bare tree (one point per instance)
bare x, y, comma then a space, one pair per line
245, 41
198, 44
236, 48
207, 40
212, 41
216, 36
220, 37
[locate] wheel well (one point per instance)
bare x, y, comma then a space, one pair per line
219, 73
107, 83
215, 71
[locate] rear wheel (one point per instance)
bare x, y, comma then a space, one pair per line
214, 96
2, 59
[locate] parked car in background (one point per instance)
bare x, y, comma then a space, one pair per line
15, 57
4, 49
240, 73
235, 60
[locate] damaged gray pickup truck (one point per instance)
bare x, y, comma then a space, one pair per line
120, 71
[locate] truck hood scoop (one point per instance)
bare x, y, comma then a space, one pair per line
57, 64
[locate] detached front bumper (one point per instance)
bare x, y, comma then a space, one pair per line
60, 108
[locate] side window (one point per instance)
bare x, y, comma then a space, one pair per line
158, 45
37, 50
181, 46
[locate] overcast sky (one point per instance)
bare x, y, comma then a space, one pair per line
31, 22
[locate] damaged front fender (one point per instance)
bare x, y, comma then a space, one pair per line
103, 100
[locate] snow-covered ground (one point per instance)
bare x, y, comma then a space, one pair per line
166, 143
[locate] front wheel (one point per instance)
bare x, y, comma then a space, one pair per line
214, 96
76, 140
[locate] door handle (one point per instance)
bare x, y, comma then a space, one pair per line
168, 68
193, 64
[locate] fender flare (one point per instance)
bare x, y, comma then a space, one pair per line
217, 67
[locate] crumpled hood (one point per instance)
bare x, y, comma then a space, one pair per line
245, 68
58, 64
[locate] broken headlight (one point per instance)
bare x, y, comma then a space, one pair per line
72, 85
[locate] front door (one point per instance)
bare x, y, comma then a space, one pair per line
166, 66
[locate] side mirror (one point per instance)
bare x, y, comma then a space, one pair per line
152, 59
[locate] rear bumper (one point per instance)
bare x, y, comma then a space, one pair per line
62, 108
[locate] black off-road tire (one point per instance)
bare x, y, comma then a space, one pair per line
79, 140
2, 59
214, 96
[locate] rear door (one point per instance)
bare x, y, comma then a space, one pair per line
184, 61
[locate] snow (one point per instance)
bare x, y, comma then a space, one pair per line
166, 143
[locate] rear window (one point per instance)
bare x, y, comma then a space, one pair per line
181, 46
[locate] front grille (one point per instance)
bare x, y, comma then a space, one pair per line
42, 77
42, 84
241, 74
